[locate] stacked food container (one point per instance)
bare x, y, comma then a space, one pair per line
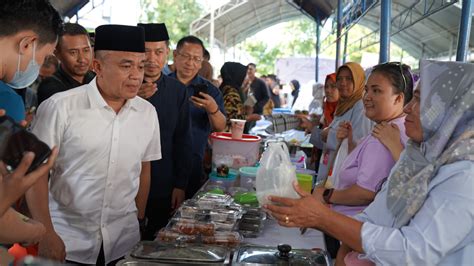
211, 228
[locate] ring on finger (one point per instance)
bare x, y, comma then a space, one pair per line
287, 219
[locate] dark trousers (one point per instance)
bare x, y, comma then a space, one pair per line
158, 213
100, 259
196, 177
332, 245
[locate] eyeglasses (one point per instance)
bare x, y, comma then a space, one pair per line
194, 59
402, 73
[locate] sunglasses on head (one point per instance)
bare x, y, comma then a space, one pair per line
402, 73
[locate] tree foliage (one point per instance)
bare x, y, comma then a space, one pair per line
177, 15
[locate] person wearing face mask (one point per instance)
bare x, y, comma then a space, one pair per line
423, 213
28, 33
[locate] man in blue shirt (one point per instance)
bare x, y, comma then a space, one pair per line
207, 109
11, 102
170, 174
28, 32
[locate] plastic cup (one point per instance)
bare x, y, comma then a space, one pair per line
237, 128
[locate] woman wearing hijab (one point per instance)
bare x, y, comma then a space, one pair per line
295, 90
389, 87
233, 75
329, 103
423, 214
350, 80
331, 98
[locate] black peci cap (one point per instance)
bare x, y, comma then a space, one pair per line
119, 38
155, 32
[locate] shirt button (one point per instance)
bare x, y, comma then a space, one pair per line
113, 161
109, 184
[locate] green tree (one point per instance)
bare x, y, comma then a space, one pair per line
177, 15
303, 37
265, 57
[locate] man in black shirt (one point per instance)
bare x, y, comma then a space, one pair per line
169, 175
75, 54
258, 88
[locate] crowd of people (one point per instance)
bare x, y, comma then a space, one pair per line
129, 135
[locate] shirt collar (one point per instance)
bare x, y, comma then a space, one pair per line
97, 101
196, 80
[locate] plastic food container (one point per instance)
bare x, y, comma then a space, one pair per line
191, 227
248, 176
227, 182
243, 152
305, 181
228, 239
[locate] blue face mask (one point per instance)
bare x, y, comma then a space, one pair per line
23, 79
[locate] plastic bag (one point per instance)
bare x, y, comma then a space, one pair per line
338, 161
276, 174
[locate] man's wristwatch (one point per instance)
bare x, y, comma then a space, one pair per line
327, 195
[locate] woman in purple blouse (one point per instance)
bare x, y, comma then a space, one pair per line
388, 88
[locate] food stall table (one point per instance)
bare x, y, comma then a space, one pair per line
274, 234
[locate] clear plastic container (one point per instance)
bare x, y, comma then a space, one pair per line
235, 190
191, 227
244, 151
248, 176
227, 181
228, 239
167, 235
224, 226
212, 201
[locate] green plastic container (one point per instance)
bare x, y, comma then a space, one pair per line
305, 181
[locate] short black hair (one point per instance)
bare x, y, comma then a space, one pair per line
190, 39
72, 29
273, 77
36, 15
252, 64
400, 84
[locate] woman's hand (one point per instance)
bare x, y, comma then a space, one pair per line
344, 130
304, 212
305, 123
389, 135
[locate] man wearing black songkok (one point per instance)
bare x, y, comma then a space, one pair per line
107, 137
170, 174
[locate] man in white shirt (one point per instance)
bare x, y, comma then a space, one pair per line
106, 137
